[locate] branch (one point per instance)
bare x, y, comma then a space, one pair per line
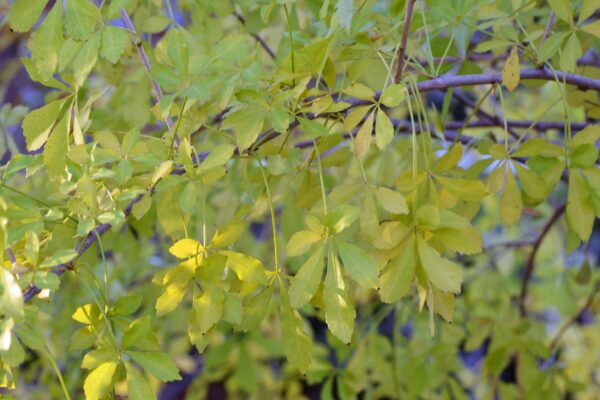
256, 36
531, 260
145, 60
402, 48
588, 303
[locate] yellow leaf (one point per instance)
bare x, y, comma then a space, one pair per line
363, 138
511, 73
511, 203
186, 248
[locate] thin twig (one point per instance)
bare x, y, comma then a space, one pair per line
402, 48
140, 48
588, 303
531, 260
256, 36
548, 27
482, 113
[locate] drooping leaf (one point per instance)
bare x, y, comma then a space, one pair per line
24, 13
99, 381
511, 203
580, 211
339, 310
397, 277
81, 17
306, 282
359, 264
511, 73
157, 364
138, 388
443, 274
46, 43
297, 344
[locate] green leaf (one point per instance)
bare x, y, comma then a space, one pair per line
359, 264
465, 241
99, 382
126, 305
11, 296
256, 308
57, 147
61, 256
227, 235
247, 122
138, 388
86, 58
393, 95
313, 129
38, 124
46, 43
140, 335
156, 364
562, 8
584, 156
248, 269
208, 308
593, 28
297, 345
580, 211
217, 157
443, 274
511, 202
532, 183
114, 42
341, 217
176, 281
301, 242
450, 158
384, 130
589, 135
339, 310
24, 14
571, 53
464, 189
396, 279
81, 17
391, 200
306, 282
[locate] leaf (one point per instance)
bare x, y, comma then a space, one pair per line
126, 305
247, 122
511, 203
355, 116
256, 308
24, 14
395, 281
464, 189
114, 42
570, 54
562, 8
61, 256
465, 241
589, 135
138, 388
341, 217
345, 11
393, 95
46, 43
306, 281
140, 335
391, 200
384, 130
339, 310
451, 158
11, 296
247, 268
38, 123
57, 147
533, 185
593, 28
580, 211
81, 17
511, 73
313, 129
443, 274
99, 381
301, 242
208, 308
86, 58
227, 235
297, 345
359, 264
217, 157
186, 248
157, 364
363, 138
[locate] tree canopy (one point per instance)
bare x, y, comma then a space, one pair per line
300, 199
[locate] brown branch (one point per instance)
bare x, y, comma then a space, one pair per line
588, 303
402, 48
145, 60
531, 260
256, 36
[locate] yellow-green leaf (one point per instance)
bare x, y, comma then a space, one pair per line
384, 130
464, 189
306, 281
443, 274
399, 273
358, 263
363, 138
301, 242
157, 364
46, 43
580, 211
38, 124
391, 200
393, 95
24, 14
247, 269
339, 310
186, 248
138, 388
297, 345
511, 202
